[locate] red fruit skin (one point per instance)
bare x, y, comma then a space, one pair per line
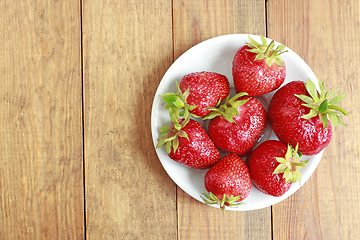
229, 176
241, 136
255, 77
262, 163
200, 152
285, 111
206, 88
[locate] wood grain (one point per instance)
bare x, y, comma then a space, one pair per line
196, 21
123, 49
41, 171
127, 49
326, 35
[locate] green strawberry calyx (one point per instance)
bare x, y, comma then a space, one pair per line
177, 101
321, 105
169, 137
178, 108
291, 164
225, 201
228, 109
267, 52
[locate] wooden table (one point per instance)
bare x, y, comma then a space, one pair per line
77, 83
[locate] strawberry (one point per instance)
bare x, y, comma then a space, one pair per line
298, 114
197, 91
228, 182
238, 124
274, 167
258, 68
187, 143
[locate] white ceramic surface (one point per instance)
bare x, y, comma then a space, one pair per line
216, 55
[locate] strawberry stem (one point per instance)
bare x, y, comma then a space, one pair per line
291, 164
225, 201
321, 105
228, 109
177, 105
267, 52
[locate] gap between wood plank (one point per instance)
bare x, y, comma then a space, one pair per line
82, 106
267, 35
176, 187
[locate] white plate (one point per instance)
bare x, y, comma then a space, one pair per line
216, 55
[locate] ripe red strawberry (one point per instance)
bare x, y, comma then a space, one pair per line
237, 124
298, 114
198, 91
187, 143
258, 68
228, 182
274, 167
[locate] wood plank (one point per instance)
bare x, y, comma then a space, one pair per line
41, 171
127, 49
326, 35
196, 21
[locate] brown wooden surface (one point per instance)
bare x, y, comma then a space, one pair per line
127, 48
77, 83
41, 168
